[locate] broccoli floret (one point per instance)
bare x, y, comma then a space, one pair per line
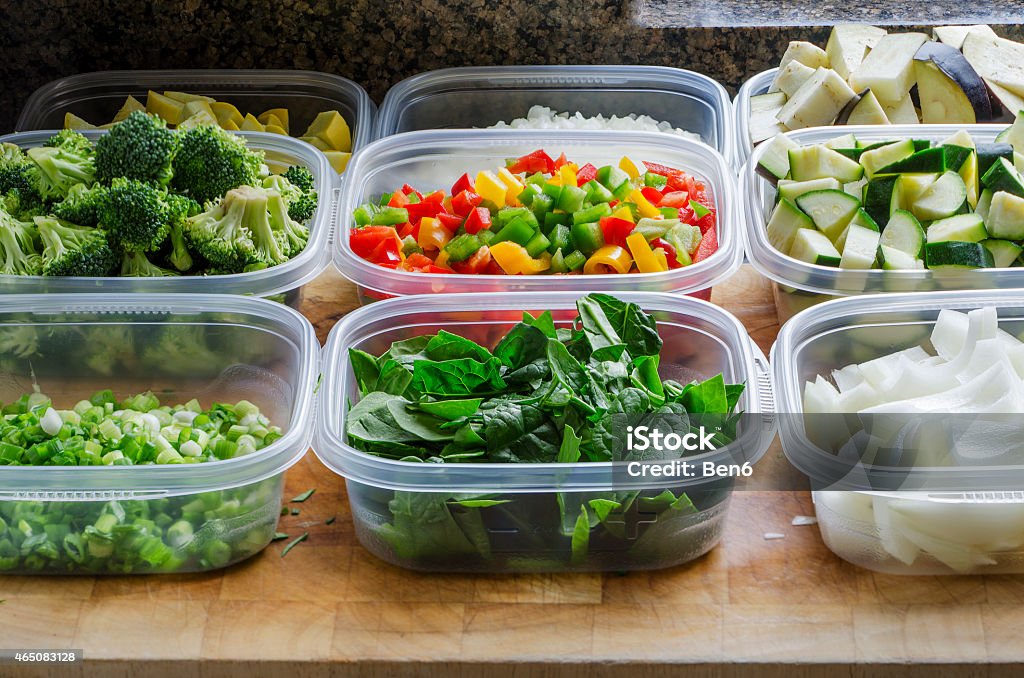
182, 349
81, 206
136, 215
179, 257
221, 233
111, 345
66, 159
18, 341
139, 147
291, 233
137, 265
300, 177
212, 161
69, 249
301, 202
18, 252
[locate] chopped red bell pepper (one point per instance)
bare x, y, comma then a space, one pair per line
398, 199
562, 160
450, 221
678, 199
364, 240
586, 173
687, 216
463, 183
430, 206
538, 161
708, 245
478, 220
418, 260
407, 229
670, 252
464, 202
387, 251
615, 230
476, 263
409, 190
707, 223
652, 194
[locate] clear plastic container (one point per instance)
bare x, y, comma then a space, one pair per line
759, 84
97, 96
483, 96
799, 285
209, 347
285, 280
701, 340
931, 527
436, 159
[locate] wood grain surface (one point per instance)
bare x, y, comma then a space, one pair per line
783, 608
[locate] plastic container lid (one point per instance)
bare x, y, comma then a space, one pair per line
287, 362
728, 349
97, 96
436, 159
760, 197
818, 340
484, 96
280, 150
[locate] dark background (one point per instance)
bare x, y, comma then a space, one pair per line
379, 43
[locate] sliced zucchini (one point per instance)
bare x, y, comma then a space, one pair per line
1004, 253
893, 259
830, 210
989, 153
861, 220
814, 248
888, 69
861, 248
984, 204
794, 189
1015, 134
843, 141
969, 173
863, 109
954, 254
944, 198
786, 220
805, 53
886, 156
847, 45
954, 157
882, 198
763, 109
819, 162
774, 162
912, 186
1002, 176
928, 161
961, 138
856, 188
789, 78
1005, 218
817, 102
962, 227
904, 233
949, 88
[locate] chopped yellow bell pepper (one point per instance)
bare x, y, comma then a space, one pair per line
252, 124
338, 159
316, 142
333, 129
627, 166
568, 175
644, 205
624, 213
131, 104
515, 260
489, 187
275, 129
609, 257
442, 259
280, 113
72, 121
200, 119
185, 97
646, 258
433, 235
513, 185
225, 113
230, 125
164, 107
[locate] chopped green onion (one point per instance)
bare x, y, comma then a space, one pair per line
295, 542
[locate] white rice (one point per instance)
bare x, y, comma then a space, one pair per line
542, 117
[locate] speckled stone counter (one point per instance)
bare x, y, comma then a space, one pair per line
377, 43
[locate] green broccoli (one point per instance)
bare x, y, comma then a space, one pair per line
137, 265
139, 147
81, 206
110, 346
69, 249
18, 252
65, 160
220, 234
292, 234
301, 202
182, 349
18, 341
300, 177
136, 215
182, 208
212, 161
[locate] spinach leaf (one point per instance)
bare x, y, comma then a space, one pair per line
544, 322
394, 378
608, 321
581, 537
365, 369
521, 346
448, 346
422, 528
457, 377
706, 397
569, 451
451, 409
408, 350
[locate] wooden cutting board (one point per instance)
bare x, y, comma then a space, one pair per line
783, 608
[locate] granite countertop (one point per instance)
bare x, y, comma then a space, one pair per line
377, 48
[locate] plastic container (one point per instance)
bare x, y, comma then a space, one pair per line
799, 285
97, 96
209, 347
483, 96
435, 159
759, 84
701, 340
949, 519
285, 280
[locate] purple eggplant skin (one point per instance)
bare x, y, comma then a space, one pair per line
847, 110
955, 65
